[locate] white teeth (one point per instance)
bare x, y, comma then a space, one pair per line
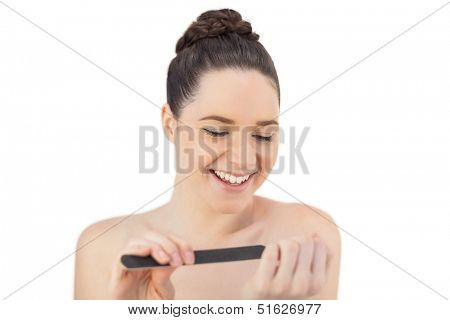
230, 178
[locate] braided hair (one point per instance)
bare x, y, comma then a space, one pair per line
218, 39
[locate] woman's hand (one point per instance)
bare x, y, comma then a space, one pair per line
151, 283
290, 269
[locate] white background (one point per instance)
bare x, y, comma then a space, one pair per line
378, 149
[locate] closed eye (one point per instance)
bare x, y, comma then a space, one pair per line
215, 133
223, 133
263, 138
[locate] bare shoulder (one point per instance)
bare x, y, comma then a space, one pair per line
106, 228
301, 218
290, 219
96, 249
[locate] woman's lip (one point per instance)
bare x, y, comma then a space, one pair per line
213, 172
230, 187
236, 175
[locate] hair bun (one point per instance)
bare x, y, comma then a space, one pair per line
214, 23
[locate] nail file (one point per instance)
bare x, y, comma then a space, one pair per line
201, 256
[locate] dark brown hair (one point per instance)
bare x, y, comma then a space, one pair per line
218, 39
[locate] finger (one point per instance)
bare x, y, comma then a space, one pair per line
156, 250
145, 247
320, 256
267, 268
184, 247
119, 270
306, 255
169, 247
318, 266
302, 274
289, 250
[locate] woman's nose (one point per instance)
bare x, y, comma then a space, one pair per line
242, 154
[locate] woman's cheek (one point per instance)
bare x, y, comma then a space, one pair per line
186, 154
273, 155
208, 151
268, 155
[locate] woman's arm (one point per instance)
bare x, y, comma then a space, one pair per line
91, 263
307, 219
303, 262
329, 232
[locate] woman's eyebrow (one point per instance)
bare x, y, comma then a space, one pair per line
266, 123
229, 121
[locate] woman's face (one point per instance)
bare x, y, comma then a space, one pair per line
227, 137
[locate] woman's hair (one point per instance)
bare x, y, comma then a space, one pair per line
219, 39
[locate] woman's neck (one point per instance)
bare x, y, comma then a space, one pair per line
188, 214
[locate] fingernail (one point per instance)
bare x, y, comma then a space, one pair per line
190, 256
163, 255
176, 259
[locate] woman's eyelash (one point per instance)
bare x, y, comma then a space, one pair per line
215, 133
262, 138
223, 133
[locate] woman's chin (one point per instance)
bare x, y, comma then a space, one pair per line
225, 197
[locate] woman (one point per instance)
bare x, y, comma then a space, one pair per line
222, 107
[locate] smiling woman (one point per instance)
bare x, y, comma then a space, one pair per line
222, 108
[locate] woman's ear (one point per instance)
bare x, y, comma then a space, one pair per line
168, 122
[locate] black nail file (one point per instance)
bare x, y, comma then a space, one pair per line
201, 256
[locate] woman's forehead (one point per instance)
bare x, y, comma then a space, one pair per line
234, 94
250, 83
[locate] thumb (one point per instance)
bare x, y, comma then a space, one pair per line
161, 275
161, 283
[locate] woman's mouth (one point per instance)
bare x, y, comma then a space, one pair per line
232, 182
